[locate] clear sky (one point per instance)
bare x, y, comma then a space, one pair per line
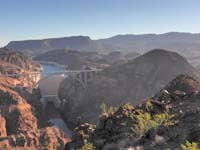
33, 19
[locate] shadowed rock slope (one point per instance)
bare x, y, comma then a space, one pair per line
129, 82
164, 121
72, 59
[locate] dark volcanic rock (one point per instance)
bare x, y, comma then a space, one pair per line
130, 82
113, 130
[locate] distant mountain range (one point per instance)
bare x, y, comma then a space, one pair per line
187, 44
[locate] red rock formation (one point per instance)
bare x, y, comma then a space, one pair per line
3, 132
18, 124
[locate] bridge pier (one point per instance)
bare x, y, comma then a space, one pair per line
50, 98
82, 76
44, 103
85, 78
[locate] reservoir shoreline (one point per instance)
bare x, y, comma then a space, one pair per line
52, 64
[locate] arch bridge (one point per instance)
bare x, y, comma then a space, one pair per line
48, 83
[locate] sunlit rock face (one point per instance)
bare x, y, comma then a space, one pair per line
20, 67
3, 131
19, 126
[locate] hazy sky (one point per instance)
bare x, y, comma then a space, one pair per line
32, 19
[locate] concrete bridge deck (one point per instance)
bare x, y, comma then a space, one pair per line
49, 85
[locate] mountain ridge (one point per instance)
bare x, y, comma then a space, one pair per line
129, 82
133, 127
181, 42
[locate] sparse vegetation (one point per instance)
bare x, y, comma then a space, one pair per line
103, 107
86, 144
110, 110
146, 121
149, 105
189, 146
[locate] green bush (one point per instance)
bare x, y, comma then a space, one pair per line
110, 110
149, 105
189, 146
145, 121
103, 107
86, 144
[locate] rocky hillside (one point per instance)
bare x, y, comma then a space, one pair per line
18, 59
168, 120
131, 82
116, 58
20, 118
18, 125
19, 66
71, 59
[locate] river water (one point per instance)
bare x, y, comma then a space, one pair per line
50, 69
58, 122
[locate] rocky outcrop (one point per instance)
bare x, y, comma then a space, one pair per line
19, 67
18, 59
131, 82
164, 121
3, 131
19, 126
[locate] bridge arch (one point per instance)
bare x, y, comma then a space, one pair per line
49, 85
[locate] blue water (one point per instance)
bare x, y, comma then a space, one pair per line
50, 69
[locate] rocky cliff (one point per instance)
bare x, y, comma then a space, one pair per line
165, 121
19, 66
18, 59
130, 82
19, 126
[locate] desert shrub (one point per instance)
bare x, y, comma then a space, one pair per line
86, 144
145, 121
110, 110
149, 105
103, 107
164, 119
189, 146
